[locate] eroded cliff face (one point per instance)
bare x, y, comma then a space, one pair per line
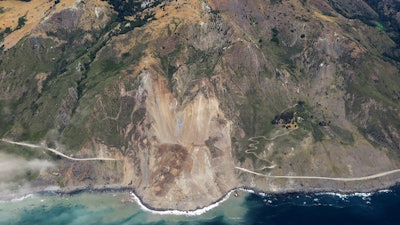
194, 98
184, 149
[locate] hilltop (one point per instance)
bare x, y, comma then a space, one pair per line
183, 93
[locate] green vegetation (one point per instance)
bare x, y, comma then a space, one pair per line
202, 63
6, 118
21, 151
382, 87
301, 116
98, 76
345, 137
75, 134
169, 70
132, 8
283, 57
255, 109
371, 90
31, 175
81, 77
76, 67
29, 120
275, 1
21, 22
275, 34
7, 30
379, 26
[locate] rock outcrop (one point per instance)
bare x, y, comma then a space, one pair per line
182, 94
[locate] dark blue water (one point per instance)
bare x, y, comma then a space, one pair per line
380, 208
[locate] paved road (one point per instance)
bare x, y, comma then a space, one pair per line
57, 152
253, 146
239, 168
370, 177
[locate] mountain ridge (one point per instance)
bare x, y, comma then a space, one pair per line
174, 90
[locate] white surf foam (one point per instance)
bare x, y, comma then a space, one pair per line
363, 195
196, 212
18, 199
385, 191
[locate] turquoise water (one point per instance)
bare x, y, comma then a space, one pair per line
297, 208
108, 208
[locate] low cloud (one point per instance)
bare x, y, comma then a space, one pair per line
13, 172
12, 167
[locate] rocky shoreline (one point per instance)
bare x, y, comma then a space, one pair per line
190, 212
199, 211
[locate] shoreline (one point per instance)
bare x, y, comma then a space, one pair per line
194, 212
200, 211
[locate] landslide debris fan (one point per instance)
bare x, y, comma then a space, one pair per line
176, 88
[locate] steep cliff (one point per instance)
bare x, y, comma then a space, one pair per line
194, 98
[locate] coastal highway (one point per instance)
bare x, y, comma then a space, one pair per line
57, 152
253, 146
370, 177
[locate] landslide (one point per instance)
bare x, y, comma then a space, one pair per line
174, 89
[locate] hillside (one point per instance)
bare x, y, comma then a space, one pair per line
189, 96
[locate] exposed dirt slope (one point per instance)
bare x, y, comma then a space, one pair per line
177, 90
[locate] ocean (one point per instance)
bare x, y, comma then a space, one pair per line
115, 208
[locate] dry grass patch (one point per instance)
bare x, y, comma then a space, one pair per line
33, 11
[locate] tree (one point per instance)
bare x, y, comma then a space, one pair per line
21, 22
